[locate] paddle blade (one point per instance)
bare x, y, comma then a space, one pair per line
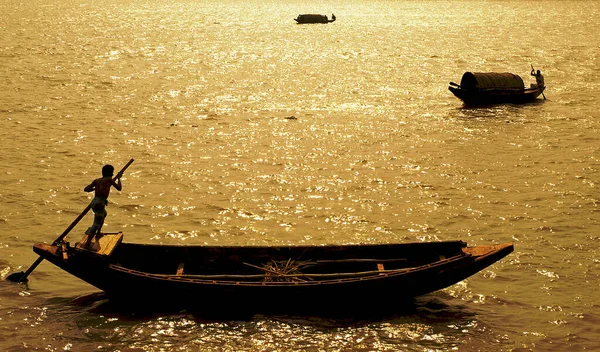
17, 277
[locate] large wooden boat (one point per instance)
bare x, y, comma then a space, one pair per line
477, 88
313, 18
263, 278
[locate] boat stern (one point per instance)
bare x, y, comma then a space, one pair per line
87, 260
52, 253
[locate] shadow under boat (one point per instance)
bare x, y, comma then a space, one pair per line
433, 307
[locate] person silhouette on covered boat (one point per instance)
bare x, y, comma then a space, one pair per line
539, 78
101, 187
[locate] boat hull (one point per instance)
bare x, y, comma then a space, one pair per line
496, 96
313, 18
331, 278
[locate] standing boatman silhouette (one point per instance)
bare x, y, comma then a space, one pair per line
101, 187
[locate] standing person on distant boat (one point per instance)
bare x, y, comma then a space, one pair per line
101, 187
539, 78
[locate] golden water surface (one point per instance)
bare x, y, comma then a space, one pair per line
247, 128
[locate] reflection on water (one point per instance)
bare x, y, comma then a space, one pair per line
92, 321
426, 321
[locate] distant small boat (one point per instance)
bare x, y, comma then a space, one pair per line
281, 278
478, 88
314, 18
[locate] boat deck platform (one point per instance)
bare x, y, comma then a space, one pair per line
104, 245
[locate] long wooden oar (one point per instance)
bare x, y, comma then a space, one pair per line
22, 276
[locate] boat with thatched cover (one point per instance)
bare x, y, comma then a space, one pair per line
271, 278
478, 88
314, 18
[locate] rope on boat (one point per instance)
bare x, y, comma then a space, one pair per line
288, 272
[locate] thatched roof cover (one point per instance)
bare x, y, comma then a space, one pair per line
312, 17
487, 80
